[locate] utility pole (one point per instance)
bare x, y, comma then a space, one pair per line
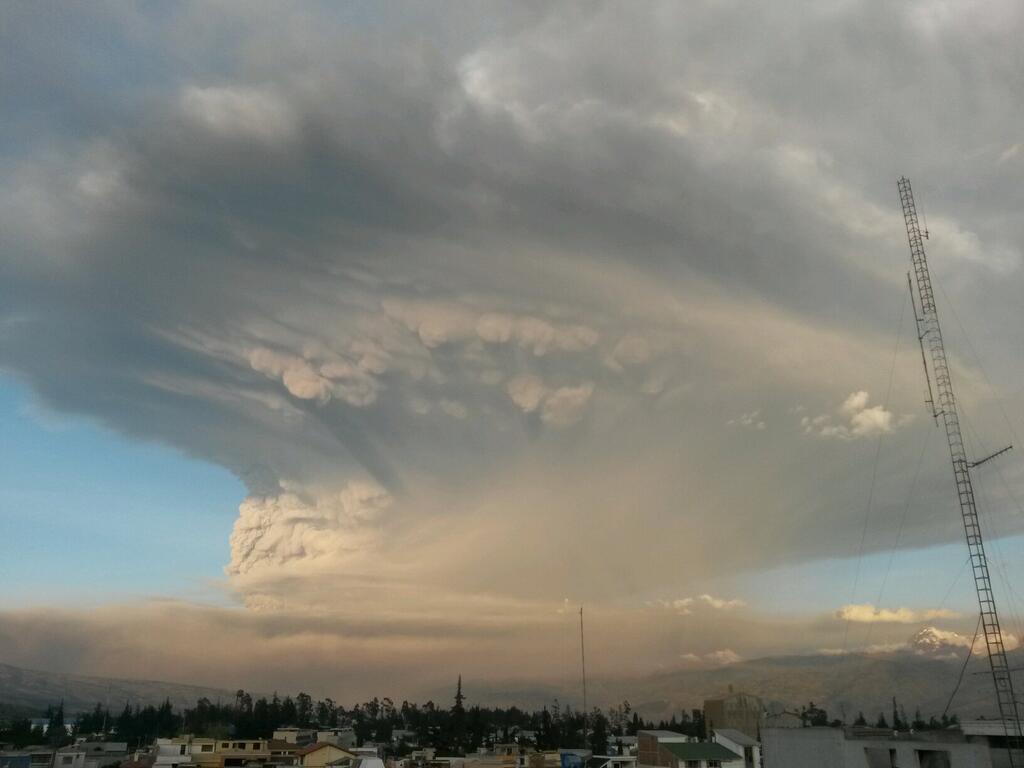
583, 664
930, 337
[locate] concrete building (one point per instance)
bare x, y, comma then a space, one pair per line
668, 749
321, 754
283, 752
294, 735
700, 754
741, 712
344, 736
649, 743
240, 752
824, 747
185, 750
91, 754
992, 733
739, 743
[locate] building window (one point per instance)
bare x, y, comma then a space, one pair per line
255, 745
181, 749
206, 748
224, 745
66, 760
692, 764
933, 758
714, 764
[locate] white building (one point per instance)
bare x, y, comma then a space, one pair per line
992, 733
91, 754
739, 743
824, 747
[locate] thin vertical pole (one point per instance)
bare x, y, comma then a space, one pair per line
583, 663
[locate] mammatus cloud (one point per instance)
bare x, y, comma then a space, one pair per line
866, 613
854, 419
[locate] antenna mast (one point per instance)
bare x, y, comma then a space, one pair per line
930, 336
583, 664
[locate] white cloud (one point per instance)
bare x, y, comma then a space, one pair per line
684, 605
274, 530
723, 657
751, 420
868, 613
566, 405
854, 418
238, 110
527, 391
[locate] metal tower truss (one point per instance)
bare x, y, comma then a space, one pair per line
942, 404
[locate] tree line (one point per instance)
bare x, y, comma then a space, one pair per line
454, 729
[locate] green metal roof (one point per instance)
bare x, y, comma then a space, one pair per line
700, 750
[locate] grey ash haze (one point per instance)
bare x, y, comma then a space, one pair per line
494, 306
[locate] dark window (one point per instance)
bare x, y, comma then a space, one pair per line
880, 757
933, 758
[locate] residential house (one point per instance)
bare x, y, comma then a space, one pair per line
322, 753
241, 752
649, 743
38, 756
854, 747
344, 736
294, 735
700, 754
91, 754
739, 743
184, 751
283, 752
668, 749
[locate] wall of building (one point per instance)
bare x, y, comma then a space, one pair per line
829, 748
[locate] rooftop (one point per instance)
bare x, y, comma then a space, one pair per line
702, 750
736, 737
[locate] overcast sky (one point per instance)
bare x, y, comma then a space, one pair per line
367, 342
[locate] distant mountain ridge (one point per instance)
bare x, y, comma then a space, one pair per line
25, 690
922, 674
